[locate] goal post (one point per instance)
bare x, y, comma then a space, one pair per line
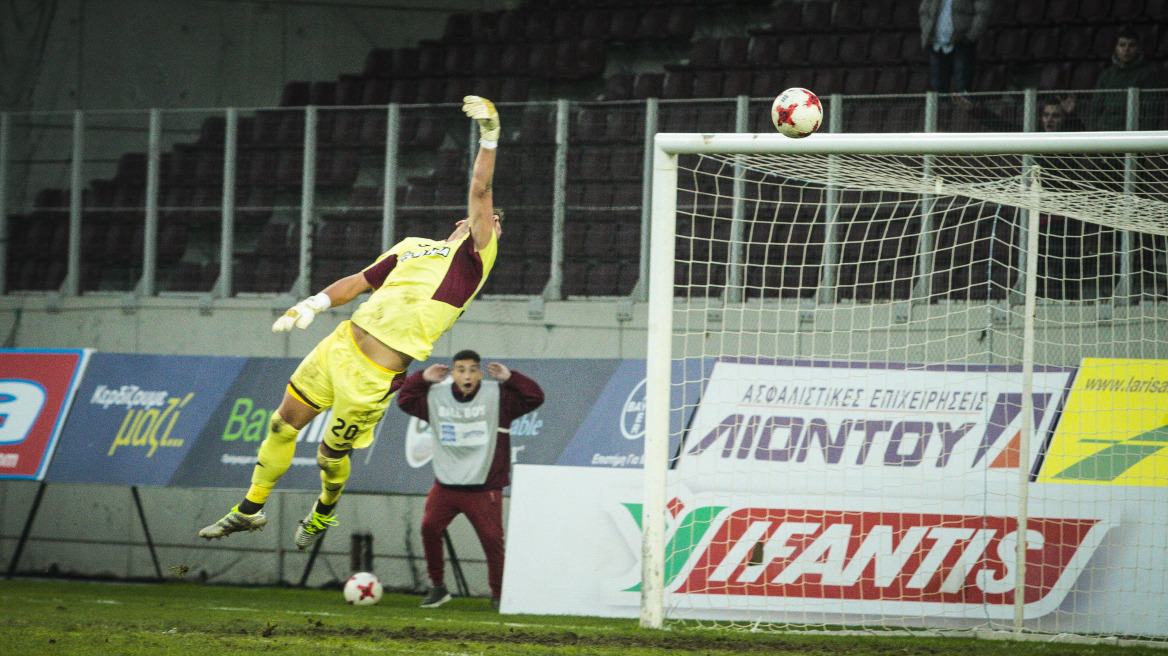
815, 277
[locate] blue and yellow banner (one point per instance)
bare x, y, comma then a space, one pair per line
1114, 430
135, 417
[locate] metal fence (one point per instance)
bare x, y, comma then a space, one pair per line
230, 201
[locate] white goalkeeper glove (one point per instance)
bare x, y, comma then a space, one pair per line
483, 111
302, 314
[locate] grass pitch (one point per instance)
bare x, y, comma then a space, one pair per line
187, 619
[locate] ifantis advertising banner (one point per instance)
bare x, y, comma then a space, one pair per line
1114, 430
790, 557
36, 387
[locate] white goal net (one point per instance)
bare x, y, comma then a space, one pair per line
933, 375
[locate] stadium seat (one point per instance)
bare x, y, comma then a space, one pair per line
595, 23
510, 27
824, 50
459, 29
379, 63
541, 58
855, 50
786, 17
625, 124
405, 62
1093, 12
816, 16
211, 132
793, 49
678, 85
1084, 75
763, 51
619, 86
1129, 11
579, 59
1060, 12
1009, 44
648, 85
861, 80
295, 94
705, 84
1029, 14
703, 54
1055, 76
877, 14
885, 49
733, 52
905, 16
737, 83
322, 93
1002, 13
1043, 44
538, 25
848, 15
624, 23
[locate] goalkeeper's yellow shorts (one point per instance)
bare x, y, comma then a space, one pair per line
337, 374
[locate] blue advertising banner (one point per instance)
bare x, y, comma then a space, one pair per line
136, 417
399, 460
186, 421
612, 435
225, 452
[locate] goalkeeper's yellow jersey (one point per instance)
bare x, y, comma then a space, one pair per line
420, 286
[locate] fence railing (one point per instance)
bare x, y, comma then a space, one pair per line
233, 201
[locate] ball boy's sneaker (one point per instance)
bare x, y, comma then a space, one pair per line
438, 596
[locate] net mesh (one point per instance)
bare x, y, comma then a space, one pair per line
857, 453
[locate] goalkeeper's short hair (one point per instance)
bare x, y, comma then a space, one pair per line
501, 213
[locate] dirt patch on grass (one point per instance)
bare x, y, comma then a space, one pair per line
713, 642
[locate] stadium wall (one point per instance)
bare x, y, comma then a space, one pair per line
134, 54
95, 530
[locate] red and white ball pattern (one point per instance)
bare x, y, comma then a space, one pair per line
363, 589
796, 113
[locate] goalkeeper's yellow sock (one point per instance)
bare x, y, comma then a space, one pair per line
334, 472
275, 456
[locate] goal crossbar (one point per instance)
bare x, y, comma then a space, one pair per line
936, 143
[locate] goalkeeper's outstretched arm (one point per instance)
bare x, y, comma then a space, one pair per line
480, 200
338, 293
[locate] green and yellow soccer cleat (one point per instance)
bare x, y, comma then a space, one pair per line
312, 527
233, 522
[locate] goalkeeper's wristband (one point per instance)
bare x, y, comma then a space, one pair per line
489, 145
320, 302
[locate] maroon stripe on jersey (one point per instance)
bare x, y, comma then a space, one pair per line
463, 276
376, 274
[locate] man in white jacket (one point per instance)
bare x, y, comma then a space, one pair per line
949, 32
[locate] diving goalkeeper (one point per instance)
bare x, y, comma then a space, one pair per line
420, 287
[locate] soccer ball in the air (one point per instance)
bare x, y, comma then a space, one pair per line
363, 589
796, 113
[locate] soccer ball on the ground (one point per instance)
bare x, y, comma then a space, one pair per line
796, 113
363, 589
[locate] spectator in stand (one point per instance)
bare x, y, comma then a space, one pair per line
950, 30
1128, 69
1059, 115
470, 423
1055, 114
